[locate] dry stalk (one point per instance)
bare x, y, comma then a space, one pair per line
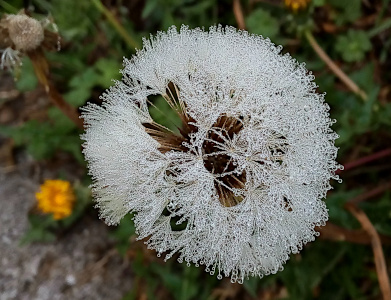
350, 84
238, 12
380, 262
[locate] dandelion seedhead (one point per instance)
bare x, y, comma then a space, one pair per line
26, 33
239, 185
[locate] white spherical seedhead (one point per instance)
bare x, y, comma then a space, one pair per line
26, 33
239, 186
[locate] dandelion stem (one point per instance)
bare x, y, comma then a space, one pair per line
372, 193
381, 267
67, 109
238, 12
336, 233
334, 67
366, 159
117, 26
41, 69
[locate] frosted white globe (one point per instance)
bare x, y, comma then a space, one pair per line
240, 185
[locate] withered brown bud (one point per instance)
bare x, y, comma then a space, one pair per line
26, 33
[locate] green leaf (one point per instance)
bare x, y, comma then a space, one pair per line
87, 79
337, 213
40, 229
76, 19
262, 22
251, 286
384, 114
101, 74
37, 235
319, 2
78, 97
364, 77
61, 122
43, 139
353, 46
123, 232
27, 81
346, 11
305, 271
11, 8
182, 286
379, 213
81, 86
83, 200
149, 7
108, 70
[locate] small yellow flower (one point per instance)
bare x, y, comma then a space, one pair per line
56, 197
296, 5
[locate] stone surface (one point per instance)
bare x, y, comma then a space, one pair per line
81, 264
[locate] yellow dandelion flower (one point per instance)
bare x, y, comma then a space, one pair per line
296, 5
56, 197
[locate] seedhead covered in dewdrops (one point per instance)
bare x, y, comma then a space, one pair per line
239, 185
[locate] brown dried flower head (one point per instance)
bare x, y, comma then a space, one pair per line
25, 32
21, 34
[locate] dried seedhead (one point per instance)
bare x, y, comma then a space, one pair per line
21, 34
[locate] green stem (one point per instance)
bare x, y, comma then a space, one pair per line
117, 26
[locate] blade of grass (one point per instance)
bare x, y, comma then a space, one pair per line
378, 29
8, 7
117, 26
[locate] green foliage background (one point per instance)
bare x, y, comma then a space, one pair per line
91, 57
